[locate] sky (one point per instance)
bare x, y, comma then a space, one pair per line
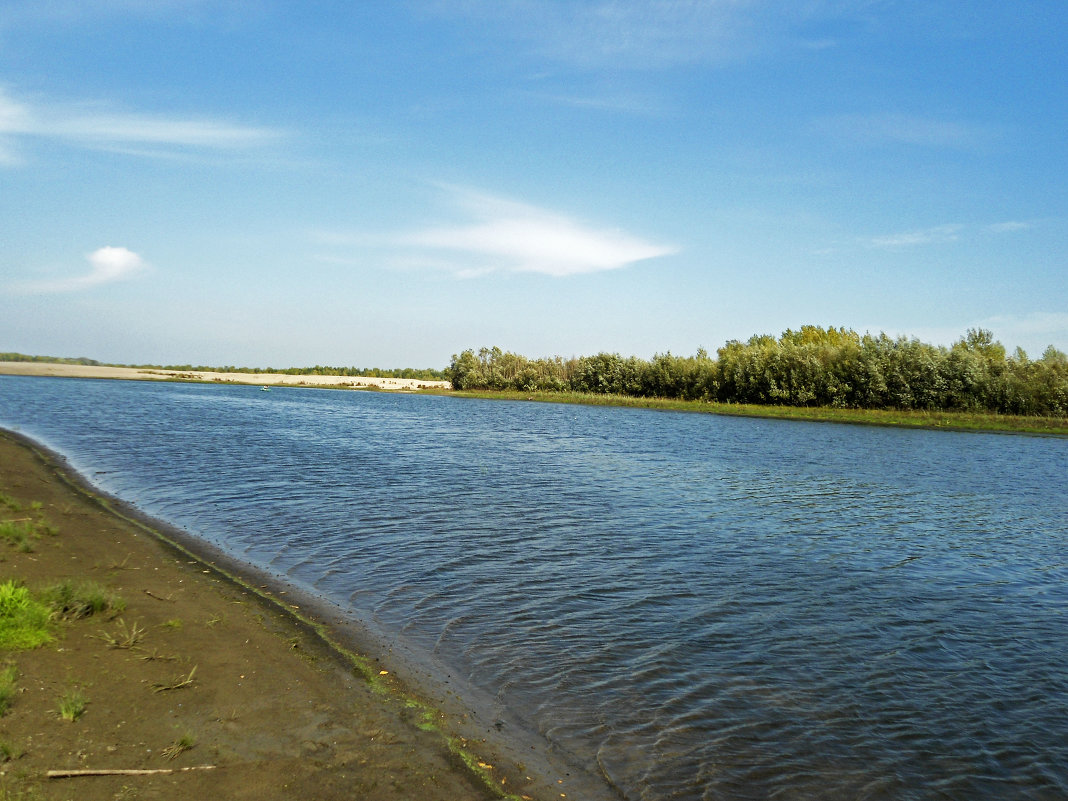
283, 183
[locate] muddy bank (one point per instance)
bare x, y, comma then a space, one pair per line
226, 667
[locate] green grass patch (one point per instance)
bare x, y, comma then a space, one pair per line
19, 534
21, 525
24, 621
73, 600
952, 421
72, 705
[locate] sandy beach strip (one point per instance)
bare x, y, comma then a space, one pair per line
256, 379
201, 663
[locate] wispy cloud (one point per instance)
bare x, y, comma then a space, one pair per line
107, 265
491, 234
92, 126
943, 234
630, 34
1010, 226
890, 128
504, 235
927, 236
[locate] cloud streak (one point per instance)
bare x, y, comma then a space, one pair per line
888, 128
93, 127
927, 236
505, 236
107, 265
943, 234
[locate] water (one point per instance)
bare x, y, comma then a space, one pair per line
699, 607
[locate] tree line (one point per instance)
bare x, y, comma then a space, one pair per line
812, 366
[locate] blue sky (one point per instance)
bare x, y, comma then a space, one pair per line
388, 183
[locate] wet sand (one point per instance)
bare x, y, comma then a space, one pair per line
273, 702
256, 379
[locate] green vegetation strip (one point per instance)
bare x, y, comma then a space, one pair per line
946, 420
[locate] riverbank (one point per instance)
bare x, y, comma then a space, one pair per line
942, 420
256, 379
232, 685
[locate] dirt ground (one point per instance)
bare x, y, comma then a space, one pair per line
256, 693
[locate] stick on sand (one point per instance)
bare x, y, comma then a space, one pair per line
67, 774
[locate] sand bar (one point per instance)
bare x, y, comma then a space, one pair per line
257, 379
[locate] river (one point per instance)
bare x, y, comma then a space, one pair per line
695, 607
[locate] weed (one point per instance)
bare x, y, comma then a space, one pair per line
72, 705
173, 623
19, 533
177, 684
179, 746
9, 503
69, 600
125, 636
23, 621
7, 687
156, 656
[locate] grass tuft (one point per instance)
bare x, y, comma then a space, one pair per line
178, 747
72, 705
125, 636
70, 600
177, 684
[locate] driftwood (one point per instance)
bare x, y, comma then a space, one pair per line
151, 594
67, 774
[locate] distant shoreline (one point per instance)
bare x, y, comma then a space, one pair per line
61, 370
935, 419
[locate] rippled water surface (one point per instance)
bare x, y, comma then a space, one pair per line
703, 607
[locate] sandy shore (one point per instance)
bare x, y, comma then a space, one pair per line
227, 661
258, 379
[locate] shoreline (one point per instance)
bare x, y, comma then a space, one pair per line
60, 370
481, 765
940, 420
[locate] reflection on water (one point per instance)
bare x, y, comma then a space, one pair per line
703, 607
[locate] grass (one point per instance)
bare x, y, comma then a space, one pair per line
24, 621
178, 747
125, 636
177, 684
72, 705
7, 688
73, 600
22, 524
953, 421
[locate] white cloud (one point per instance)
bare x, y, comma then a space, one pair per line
888, 128
503, 235
1010, 226
628, 34
95, 127
927, 236
108, 265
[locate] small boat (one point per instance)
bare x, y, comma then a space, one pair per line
265, 389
